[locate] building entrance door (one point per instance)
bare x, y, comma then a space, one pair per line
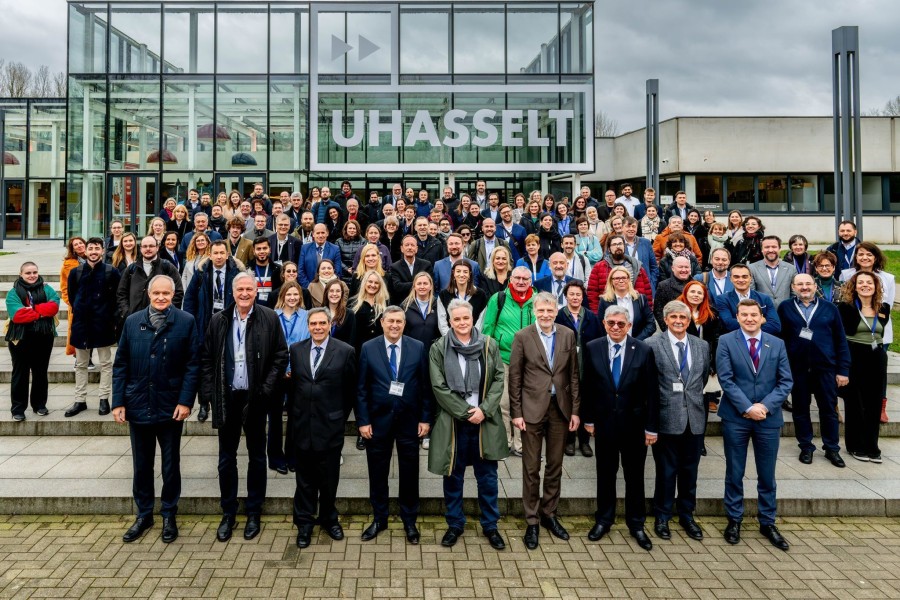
133, 199
242, 182
13, 196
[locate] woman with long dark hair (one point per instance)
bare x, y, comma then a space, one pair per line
748, 249
461, 286
343, 319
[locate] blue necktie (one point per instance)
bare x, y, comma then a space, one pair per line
318, 350
617, 365
393, 360
682, 362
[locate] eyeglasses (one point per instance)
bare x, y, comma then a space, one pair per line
625, 278
616, 324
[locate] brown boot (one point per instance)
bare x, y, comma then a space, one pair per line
884, 417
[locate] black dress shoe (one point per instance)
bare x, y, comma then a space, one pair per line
280, 468
451, 537
412, 533
771, 532
76, 408
226, 527
203, 413
691, 528
642, 539
372, 531
661, 529
104, 410
570, 449
43, 411
531, 537
786, 405
733, 532
703, 450
304, 533
555, 527
835, 458
495, 539
170, 530
360, 443
806, 456
335, 531
137, 529
597, 532
252, 527
586, 450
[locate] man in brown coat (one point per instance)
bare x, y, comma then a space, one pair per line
543, 402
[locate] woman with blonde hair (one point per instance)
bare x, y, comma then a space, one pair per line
620, 291
531, 221
421, 311
369, 260
157, 229
197, 252
180, 223
292, 317
126, 252
368, 306
496, 273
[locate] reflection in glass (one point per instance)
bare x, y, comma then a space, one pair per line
15, 144
241, 108
87, 128
470, 152
87, 38
84, 207
425, 39
133, 124
290, 32
48, 136
740, 193
189, 38
576, 39
288, 124
533, 44
871, 192
134, 44
478, 44
709, 190
772, 193
804, 193
188, 115
242, 39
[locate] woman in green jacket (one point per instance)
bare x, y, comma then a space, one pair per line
467, 378
32, 306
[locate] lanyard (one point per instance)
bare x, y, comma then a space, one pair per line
552, 346
265, 273
284, 325
863, 317
848, 255
720, 289
239, 333
815, 306
572, 268
683, 359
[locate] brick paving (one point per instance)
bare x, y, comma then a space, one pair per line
84, 557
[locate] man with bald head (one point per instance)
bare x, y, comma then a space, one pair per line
558, 279
820, 363
131, 296
312, 254
669, 289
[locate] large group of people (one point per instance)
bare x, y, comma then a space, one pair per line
475, 329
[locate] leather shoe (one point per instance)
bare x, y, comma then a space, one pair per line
597, 532
733, 532
586, 450
372, 531
555, 527
570, 449
835, 458
691, 528
104, 408
335, 531
451, 537
223, 533
360, 443
412, 533
495, 539
76, 408
203, 413
642, 538
806, 456
786, 405
774, 536
661, 528
251, 527
304, 533
531, 537
170, 530
280, 468
137, 529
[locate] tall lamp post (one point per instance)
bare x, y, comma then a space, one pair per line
847, 130
653, 135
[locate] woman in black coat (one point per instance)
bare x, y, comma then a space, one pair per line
643, 324
551, 241
421, 311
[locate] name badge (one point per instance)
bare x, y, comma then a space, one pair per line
264, 296
677, 386
397, 388
239, 357
218, 305
806, 333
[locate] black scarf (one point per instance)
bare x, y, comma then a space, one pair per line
30, 295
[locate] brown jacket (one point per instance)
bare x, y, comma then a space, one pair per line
530, 376
659, 244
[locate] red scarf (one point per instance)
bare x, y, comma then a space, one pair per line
521, 299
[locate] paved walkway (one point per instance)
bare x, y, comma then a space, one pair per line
83, 557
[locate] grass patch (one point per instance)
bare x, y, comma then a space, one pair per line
2, 253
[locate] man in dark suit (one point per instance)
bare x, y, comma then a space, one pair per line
682, 362
393, 406
621, 373
555, 284
312, 254
544, 402
402, 272
282, 245
323, 392
727, 303
756, 378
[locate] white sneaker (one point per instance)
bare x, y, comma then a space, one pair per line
426, 442
342, 459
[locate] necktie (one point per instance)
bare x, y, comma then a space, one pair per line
319, 251
617, 365
682, 361
393, 360
559, 290
318, 350
754, 354
219, 288
772, 275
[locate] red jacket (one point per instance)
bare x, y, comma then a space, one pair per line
597, 283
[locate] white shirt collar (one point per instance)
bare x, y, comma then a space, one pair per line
674, 340
747, 338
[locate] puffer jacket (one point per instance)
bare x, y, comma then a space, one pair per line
92, 293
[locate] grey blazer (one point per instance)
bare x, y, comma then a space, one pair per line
763, 284
677, 410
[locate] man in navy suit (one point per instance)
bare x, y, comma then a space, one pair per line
282, 245
622, 413
756, 378
641, 249
727, 303
393, 406
717, 280
312, 254
555, 283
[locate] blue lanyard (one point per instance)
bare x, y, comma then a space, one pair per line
683, 360
284, 324
863, 317
240, 336
265, 273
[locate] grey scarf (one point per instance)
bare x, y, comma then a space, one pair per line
158, 318
466, 383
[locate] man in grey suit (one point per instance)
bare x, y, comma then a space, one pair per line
682, 362
772, 276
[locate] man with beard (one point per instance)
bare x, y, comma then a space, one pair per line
427, 247
718, 279
513, 233
305, 231
671, 288
443, 267
641, 249
771, 275
481, 249
845, 247
132, 293
615, 256
627, 200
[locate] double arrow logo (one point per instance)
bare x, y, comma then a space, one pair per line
339, 48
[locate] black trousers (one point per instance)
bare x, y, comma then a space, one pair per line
862, 398
253, 424
378, 455
276, 448
629, 444
143, 453
583, 436
677, 463
318, 474
31, 356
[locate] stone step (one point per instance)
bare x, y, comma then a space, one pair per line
51, 278
93, 475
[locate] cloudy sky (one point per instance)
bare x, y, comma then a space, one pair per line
712, 57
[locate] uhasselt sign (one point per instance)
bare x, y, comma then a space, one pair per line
516, 129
